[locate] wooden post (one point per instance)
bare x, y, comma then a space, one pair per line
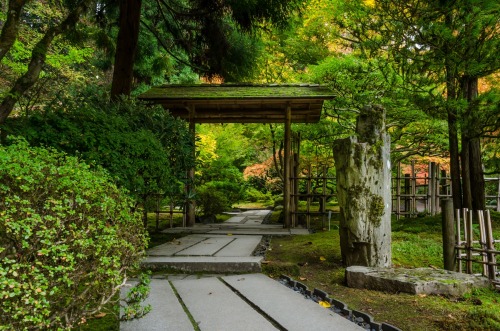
323, 198
443, 192
171, 214
468, 238
430, 195
458, 240
308, 208
398, 192
157, 212
498, 195
448, 234
286, 176
413, 184
407, 195
190, 203
295, 188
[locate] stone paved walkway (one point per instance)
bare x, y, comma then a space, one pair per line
250, 301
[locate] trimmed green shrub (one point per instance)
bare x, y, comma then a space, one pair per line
211, 201
144, 148
68, 239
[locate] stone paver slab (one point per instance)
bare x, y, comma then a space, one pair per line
215, 307
166, 314
289, 309
207, 247
236, 219
177, 245
241, 246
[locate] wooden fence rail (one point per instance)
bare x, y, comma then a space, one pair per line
412, 193
482, 251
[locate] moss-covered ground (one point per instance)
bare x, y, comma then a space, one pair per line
315, 260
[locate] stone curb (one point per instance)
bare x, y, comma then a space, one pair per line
364, 320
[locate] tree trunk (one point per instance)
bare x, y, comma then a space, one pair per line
472, 131
11, 26
38, 56
128, 36
364, 192
451, 94
456, 184
476, 175
466, 184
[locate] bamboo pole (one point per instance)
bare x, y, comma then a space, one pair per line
482, 240
490, 245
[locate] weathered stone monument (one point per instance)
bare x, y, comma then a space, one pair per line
364, 191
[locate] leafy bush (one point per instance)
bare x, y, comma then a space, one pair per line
144, 148
254, 195
211, 201
68, 239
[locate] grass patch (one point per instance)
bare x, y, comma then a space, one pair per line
416, 243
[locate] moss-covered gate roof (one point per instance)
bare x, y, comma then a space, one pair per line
243, 103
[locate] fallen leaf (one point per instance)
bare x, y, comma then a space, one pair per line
265, 262
322, 258
100, 315
422, 295
229, 234
324, 304
302, 278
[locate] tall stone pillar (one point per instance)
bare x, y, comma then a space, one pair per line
364, 191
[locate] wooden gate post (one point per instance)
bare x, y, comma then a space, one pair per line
448, 225
287, 172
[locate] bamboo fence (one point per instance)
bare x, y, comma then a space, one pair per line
475, 244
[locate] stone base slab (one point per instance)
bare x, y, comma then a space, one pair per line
413, 281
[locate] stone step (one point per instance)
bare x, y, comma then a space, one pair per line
213, 264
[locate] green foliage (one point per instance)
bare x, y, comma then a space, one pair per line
135, 297
68, 238
211, 201
144, 148
254, 195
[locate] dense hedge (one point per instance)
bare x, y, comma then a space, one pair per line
68, 238
143, 147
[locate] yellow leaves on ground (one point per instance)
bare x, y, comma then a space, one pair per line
322, 258
324, 304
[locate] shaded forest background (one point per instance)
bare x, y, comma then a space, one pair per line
71, 72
